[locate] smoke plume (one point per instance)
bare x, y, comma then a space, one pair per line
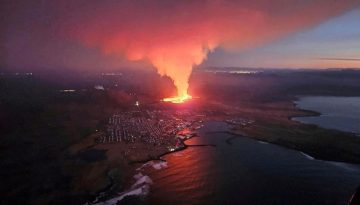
174, 36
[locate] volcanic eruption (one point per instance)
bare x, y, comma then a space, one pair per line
175, 36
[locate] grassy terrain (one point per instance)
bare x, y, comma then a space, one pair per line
273, 124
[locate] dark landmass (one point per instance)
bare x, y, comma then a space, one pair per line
38, 124
267, 99
49, 126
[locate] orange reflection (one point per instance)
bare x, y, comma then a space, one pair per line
178, 99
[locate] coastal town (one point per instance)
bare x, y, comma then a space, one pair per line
151, 127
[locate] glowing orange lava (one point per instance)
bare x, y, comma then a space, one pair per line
179, 36
178, 99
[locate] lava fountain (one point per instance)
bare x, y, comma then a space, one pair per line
177, 61
175, 36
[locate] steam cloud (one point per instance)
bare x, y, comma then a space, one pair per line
176, 35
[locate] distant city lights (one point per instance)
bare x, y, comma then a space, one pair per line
68, 91
244, 72
99, 87
111, 74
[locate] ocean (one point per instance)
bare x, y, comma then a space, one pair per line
341, 113
247, 171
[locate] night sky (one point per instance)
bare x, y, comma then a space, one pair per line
178, 35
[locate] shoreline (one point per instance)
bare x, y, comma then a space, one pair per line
144, 163
307, 148
313, 113
304, 112
297, 147
303, 152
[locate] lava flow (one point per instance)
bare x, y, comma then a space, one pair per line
176, 36
178, 99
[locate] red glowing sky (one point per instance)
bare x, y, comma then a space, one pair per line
172, 36
74, 34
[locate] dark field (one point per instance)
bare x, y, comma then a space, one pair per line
48, 154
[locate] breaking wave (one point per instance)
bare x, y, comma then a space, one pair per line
154, 164
307, 156
141, 187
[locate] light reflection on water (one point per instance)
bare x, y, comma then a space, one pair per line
187, 172
248, 172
